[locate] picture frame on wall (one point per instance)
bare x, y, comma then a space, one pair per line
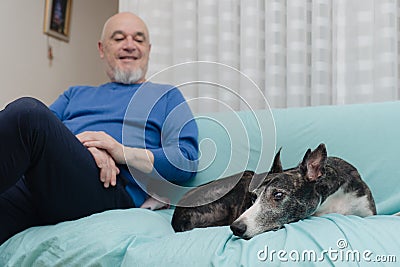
57, 19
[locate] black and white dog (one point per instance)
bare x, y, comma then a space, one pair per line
317, 186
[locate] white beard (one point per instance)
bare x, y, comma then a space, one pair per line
128, 77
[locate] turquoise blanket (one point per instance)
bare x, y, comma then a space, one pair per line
139, 237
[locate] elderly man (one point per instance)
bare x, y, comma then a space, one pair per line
70, 160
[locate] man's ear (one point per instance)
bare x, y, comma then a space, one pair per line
100, 47
313, 164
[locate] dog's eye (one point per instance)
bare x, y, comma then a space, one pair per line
253, 197
278, 196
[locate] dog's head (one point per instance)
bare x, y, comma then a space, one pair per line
284, 196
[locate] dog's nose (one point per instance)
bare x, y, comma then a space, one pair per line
238, 228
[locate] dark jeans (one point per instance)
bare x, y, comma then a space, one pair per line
46, 174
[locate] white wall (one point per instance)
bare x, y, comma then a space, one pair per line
24, 67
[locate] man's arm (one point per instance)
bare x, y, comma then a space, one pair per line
138, 158
175, 157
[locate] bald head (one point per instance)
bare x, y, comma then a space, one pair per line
125, 47
126, 17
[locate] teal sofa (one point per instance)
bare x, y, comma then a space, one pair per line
366, 135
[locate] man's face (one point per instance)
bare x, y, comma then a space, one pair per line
125, 47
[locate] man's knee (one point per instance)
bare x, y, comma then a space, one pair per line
28, 108
26, 104
28, 114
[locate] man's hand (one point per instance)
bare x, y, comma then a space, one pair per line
106, 164
138, 158
103, 141
97, 143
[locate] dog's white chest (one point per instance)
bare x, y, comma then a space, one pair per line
345, 203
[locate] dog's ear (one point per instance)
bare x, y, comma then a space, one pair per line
277, 165
313, 164
258, 179
303, 164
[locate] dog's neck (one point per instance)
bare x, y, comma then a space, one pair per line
318, 205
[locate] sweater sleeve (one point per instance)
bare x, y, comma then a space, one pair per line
58, 107
176, 159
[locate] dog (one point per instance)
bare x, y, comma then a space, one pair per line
318, 185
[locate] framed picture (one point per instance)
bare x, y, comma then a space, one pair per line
57, 18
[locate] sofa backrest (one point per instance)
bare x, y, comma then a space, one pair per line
366, 135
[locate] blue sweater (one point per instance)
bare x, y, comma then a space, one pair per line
148, 115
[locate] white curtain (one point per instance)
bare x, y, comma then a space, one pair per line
297, 52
